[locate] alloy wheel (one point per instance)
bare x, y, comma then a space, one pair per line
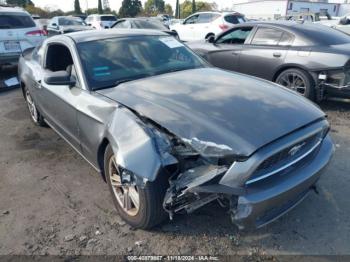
293, 81
31, 106
127, 196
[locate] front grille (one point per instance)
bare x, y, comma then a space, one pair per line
295, 153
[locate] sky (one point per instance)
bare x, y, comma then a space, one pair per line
67, 5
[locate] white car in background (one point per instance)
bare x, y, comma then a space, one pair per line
203, 25
18, 32
101, 21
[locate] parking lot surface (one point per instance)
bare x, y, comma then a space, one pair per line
53, 202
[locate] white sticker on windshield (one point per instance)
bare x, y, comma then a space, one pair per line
171, 42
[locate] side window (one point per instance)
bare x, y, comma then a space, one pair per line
267, 36
58, 58
234, 19
236, 36
192, 20
205, 18
286, 39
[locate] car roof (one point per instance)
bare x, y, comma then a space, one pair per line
92, 35
282, 24
12, 10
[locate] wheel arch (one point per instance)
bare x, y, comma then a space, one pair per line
209, 34
290, 66
100, 156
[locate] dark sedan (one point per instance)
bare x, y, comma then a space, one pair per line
169, 133
143, 23
66, 24
310, 59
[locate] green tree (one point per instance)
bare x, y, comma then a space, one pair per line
99, 7
91, 11
168, 9
154, 7
193, 6
186, 7
77, 8
177, 9
31, 9
130, 8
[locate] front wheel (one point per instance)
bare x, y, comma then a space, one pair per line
140, 207
299, 81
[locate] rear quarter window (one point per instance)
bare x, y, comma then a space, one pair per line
15, 21
267, 36
234, 19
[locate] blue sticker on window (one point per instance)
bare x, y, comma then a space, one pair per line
103, 74
101, 68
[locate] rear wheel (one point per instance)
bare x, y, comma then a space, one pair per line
299, 81
34, 112
140, 207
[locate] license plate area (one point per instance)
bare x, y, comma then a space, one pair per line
12, 46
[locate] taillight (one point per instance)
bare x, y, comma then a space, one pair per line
36, 33
224, 27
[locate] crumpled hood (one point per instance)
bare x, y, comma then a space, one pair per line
216, 106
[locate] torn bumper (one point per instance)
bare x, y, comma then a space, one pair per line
265, 202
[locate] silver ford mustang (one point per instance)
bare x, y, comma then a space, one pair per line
169, 133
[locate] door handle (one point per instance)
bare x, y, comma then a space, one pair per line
277, 54
235, 53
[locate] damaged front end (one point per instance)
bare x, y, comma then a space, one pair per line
255, 190
196, 183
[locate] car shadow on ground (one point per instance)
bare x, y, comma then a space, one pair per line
335, 104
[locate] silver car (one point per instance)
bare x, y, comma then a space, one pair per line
169, 133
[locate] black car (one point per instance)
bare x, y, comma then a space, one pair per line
308, 58
143, 23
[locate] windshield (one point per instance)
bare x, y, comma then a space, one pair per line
15, 21
70, 21
147, 24
108, 62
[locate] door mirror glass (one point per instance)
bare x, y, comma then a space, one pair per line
59, 78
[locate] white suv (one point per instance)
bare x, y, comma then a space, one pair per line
101, 21
204, 25
18, 32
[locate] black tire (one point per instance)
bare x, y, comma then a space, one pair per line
151, 212
36, 117
308, 86
208, 36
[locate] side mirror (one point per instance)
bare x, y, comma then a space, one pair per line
59, 78
211, 39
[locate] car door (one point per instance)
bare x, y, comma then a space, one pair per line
228, 48
186, 30
58, 103
201, 27
266, 52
